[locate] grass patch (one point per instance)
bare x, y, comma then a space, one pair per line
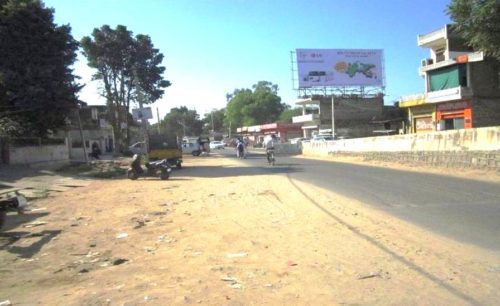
96, 169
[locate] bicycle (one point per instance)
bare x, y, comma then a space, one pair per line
270, 156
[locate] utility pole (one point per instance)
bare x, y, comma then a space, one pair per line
212, 116
333, 116
158, 117
81, 135
144, 126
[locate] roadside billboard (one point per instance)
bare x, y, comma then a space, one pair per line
144, 113
340, 67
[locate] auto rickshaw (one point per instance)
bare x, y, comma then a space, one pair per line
165, 147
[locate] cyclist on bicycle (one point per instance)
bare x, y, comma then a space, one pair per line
269, 145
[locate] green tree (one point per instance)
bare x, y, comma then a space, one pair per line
214, 121
257, 106
288, 113
129, 67
37, 86
182, 121
478, 22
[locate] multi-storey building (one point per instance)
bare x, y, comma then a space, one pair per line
462, 86
353, 116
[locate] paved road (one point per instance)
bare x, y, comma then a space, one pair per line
462, 209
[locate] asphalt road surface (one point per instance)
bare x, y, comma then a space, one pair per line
461, 209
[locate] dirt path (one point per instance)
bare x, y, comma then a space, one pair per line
212, 235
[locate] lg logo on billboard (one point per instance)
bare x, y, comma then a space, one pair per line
305, 55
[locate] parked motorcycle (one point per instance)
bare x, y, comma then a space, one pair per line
160, 168
17, 203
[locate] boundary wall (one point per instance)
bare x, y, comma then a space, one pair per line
471, 148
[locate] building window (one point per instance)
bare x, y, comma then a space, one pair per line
448, 77
439, 55
94, 114
452, 123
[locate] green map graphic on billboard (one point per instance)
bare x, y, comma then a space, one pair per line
352, 68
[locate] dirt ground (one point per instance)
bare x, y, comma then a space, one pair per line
218, 233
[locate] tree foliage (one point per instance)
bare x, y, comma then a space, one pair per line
213, 121
129, 68
37, 87
288, 113
182, 121
257, 106
478, 22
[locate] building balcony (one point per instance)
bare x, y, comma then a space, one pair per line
450, 94
459, 58
309, 118
433, 39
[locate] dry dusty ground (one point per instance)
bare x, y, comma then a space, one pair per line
220, 234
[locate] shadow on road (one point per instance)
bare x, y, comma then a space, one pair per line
32, 249
14, 220
223, 171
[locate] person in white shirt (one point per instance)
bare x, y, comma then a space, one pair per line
269, 146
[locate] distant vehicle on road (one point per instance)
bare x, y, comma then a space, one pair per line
137, 148
297, 140
216, 145
324, 137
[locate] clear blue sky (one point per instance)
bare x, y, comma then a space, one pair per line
212, 47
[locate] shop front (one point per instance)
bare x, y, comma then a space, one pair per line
284, 131
454, 115
422, 118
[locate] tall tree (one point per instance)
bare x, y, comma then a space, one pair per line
478, 22
257, 106
213, 121
182, 121
129, 67
37, 86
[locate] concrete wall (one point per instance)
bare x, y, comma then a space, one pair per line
288, 148
480, 139
459, 147
351, 108
485, 112
452, 159
484, 78
47, 155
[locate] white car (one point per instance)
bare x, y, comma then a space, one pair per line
323, 138
216, 145
138, 148
297, 140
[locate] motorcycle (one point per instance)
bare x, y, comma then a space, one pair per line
160, 168
17, 203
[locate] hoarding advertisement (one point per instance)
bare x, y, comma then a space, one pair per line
340, 67
139, 114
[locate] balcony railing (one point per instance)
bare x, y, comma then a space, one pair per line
428, 64
450, 94
456, 93
305, 118
432, 36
